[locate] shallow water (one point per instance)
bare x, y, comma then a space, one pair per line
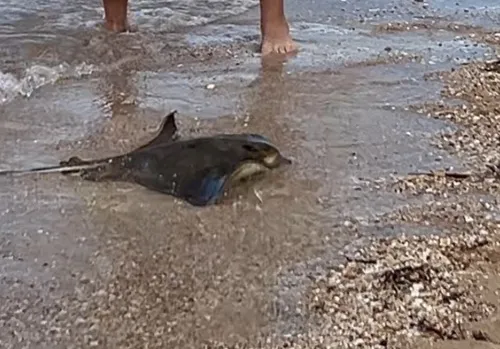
82, 260
157, 15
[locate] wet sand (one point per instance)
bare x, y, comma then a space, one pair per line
112, 265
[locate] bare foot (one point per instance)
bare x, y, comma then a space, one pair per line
282, 44
274, 28
116, 27
115, 12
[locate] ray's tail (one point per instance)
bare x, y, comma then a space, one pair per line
73, 165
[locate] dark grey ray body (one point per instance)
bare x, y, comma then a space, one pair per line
197, 170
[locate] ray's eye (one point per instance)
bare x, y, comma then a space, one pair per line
250, 148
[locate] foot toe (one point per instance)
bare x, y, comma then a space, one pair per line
280, 46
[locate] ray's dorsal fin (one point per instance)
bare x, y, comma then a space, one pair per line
167, 132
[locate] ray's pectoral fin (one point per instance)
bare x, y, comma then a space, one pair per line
167, 132
204, 188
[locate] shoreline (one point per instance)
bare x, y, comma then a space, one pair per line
421, 291
154, 274
430, 290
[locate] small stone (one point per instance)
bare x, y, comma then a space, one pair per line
468, 219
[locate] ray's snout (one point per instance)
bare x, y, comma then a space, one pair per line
261, 150
275, 159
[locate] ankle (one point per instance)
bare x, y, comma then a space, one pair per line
276, 27
114, 26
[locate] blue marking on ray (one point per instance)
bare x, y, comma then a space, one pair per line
209, 189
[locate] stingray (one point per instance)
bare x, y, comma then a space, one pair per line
197, 170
